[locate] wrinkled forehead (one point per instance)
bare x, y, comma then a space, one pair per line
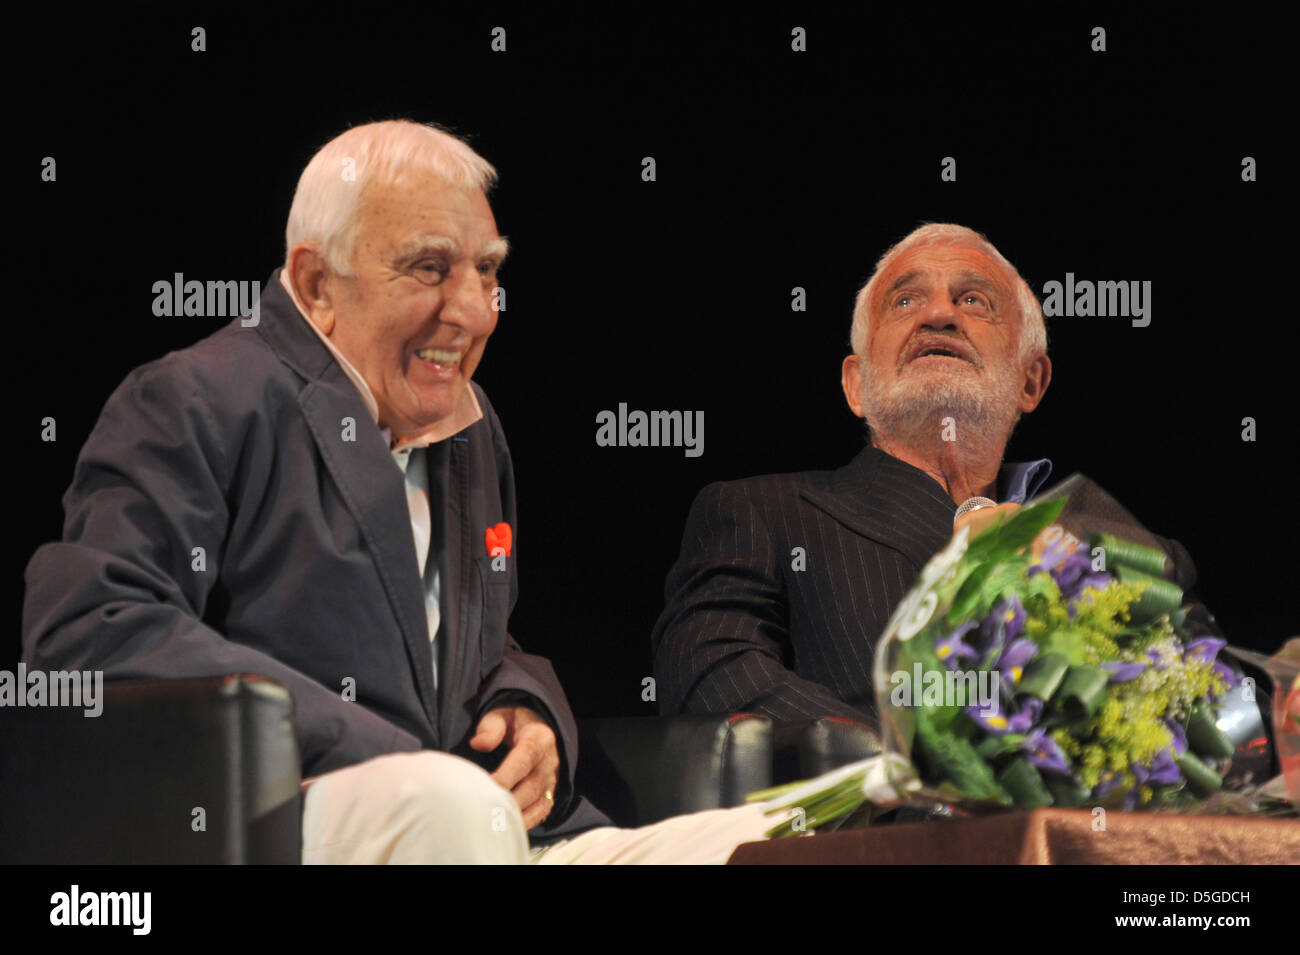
943, 260
393, 214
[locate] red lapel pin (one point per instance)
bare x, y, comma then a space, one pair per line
499, 540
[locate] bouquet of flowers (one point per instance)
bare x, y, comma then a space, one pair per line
1045, 661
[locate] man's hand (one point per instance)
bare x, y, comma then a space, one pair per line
981, 518
531, 766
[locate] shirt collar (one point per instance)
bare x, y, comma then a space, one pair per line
1020, 480
467, 410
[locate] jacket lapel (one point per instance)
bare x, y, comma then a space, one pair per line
889, 502
452, 456
364, 471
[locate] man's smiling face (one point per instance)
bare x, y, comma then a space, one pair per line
416, 314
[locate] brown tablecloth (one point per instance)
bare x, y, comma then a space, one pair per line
1044, 837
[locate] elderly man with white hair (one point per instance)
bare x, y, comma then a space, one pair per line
324, 497
785, 581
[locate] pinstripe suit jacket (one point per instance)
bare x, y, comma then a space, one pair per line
742, 629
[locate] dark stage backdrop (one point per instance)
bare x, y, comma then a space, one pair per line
775, 169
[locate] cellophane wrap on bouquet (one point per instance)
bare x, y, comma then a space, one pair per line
1052, 661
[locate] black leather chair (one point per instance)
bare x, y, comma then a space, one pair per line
206, 770
643, 769
200, 770
809, 748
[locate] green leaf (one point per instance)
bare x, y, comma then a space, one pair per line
1067, 791
1201, 779
1043, 675
1082, 692
1068, 643
1041, 589
979, 549
1204, 736
994, 570
969, 594
1021, 530
1025, 785
920, 649
996, 746
1006, 579
955, 760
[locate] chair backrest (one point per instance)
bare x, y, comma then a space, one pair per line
201, 770
640, 770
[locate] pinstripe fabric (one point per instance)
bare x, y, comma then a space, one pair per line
742, 630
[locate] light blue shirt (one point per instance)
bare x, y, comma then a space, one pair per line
1020, 480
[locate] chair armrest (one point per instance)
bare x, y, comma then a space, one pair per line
1245, 715
124, 786
640, 770
808, 748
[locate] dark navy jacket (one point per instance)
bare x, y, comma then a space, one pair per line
309, 576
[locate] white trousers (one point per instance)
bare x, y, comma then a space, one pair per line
431, 807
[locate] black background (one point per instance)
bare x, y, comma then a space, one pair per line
775, 169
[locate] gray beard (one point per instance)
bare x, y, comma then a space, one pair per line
912, 414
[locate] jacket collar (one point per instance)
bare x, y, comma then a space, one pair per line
466, 412
359, 461
290, 337
891, 502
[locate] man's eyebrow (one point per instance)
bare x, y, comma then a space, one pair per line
975, 280
496, 250
425, 244
902, 280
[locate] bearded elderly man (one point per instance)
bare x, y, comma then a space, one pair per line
949, 349
354, 496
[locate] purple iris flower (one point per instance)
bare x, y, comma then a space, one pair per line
1124, 672
1076, 575
1154, 657
1073, 573
953, 649
996, 723
1229, 678
1053, 554
1012, 662
1161, 771
1070, 571
1041, 751
999, 723
1179, 744
1204, 648
1027, 716
1098, 580
1005, 622
1107, 785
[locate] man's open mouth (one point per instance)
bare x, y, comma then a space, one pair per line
944, 352
440, 357
938, 349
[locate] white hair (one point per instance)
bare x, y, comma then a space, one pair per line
1033, 331
327, 204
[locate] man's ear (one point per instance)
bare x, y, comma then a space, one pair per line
852, 374
1038, 375
309, 276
